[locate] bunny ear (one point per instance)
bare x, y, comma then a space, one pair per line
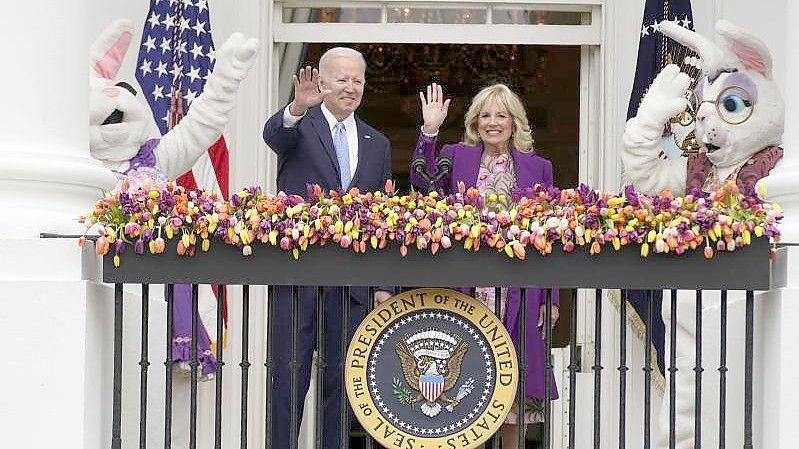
713, 58
108, 51
750, 52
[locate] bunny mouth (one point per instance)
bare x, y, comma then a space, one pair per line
711, 148
115, 117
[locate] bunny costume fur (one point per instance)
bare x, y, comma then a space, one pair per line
739, 124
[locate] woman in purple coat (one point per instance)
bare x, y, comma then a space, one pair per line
496, 155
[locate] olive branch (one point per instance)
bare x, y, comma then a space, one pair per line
403, 396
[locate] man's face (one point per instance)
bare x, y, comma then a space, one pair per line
345, 77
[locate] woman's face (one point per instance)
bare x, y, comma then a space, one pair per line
494, 125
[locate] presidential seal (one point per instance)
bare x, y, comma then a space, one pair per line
431, 368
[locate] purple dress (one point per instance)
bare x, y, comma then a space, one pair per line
142, 172
528, 169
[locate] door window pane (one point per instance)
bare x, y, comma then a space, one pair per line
435, 15
518, 16
331, 15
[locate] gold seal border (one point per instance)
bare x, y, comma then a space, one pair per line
364, 339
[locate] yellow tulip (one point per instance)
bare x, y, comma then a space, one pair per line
475, 231
509, 251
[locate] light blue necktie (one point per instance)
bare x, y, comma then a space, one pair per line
342, 153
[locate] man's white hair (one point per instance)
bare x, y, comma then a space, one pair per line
339, 52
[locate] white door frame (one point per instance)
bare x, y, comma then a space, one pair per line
598, 166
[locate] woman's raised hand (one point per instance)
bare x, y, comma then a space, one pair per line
434, 108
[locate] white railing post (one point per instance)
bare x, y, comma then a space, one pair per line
776, 362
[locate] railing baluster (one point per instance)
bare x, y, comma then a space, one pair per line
498, 312
597, 368
520, 393
698, 374
220, 329
673, 372
573, 367
116, 418
345, 331
270, 363
321, 365
723, 374
168, 364
623, 368
294, 365
194, 364
648, 371
245, 362
369, 306
144, 364
748, 367
548, 370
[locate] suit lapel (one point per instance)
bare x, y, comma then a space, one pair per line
364, 154
322, 129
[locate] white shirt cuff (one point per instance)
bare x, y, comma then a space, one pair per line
423, 133
289, 120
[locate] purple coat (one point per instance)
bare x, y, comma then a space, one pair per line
530, 169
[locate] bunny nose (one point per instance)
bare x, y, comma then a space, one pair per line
111, 91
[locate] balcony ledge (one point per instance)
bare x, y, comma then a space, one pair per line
747, 268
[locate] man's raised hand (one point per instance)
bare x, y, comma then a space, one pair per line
307, 91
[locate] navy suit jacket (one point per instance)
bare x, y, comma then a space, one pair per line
305, 154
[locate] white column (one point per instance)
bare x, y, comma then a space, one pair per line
47, 177
781, 185
777, 334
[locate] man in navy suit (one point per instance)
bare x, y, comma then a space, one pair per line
319, 140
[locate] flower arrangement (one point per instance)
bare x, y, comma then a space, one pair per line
536, 219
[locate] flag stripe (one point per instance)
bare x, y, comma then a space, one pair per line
175, 57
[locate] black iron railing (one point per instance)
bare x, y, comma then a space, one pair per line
748, 269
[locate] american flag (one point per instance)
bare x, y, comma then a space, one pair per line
175, 57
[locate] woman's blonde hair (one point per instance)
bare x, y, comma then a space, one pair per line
521, 136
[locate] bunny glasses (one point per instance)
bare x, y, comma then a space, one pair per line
734, 105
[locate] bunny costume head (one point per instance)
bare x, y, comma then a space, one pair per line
118, 121
120, 125
740, 109
737, 108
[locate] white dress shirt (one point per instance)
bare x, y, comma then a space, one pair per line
290, 121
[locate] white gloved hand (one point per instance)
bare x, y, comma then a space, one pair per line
664, 99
